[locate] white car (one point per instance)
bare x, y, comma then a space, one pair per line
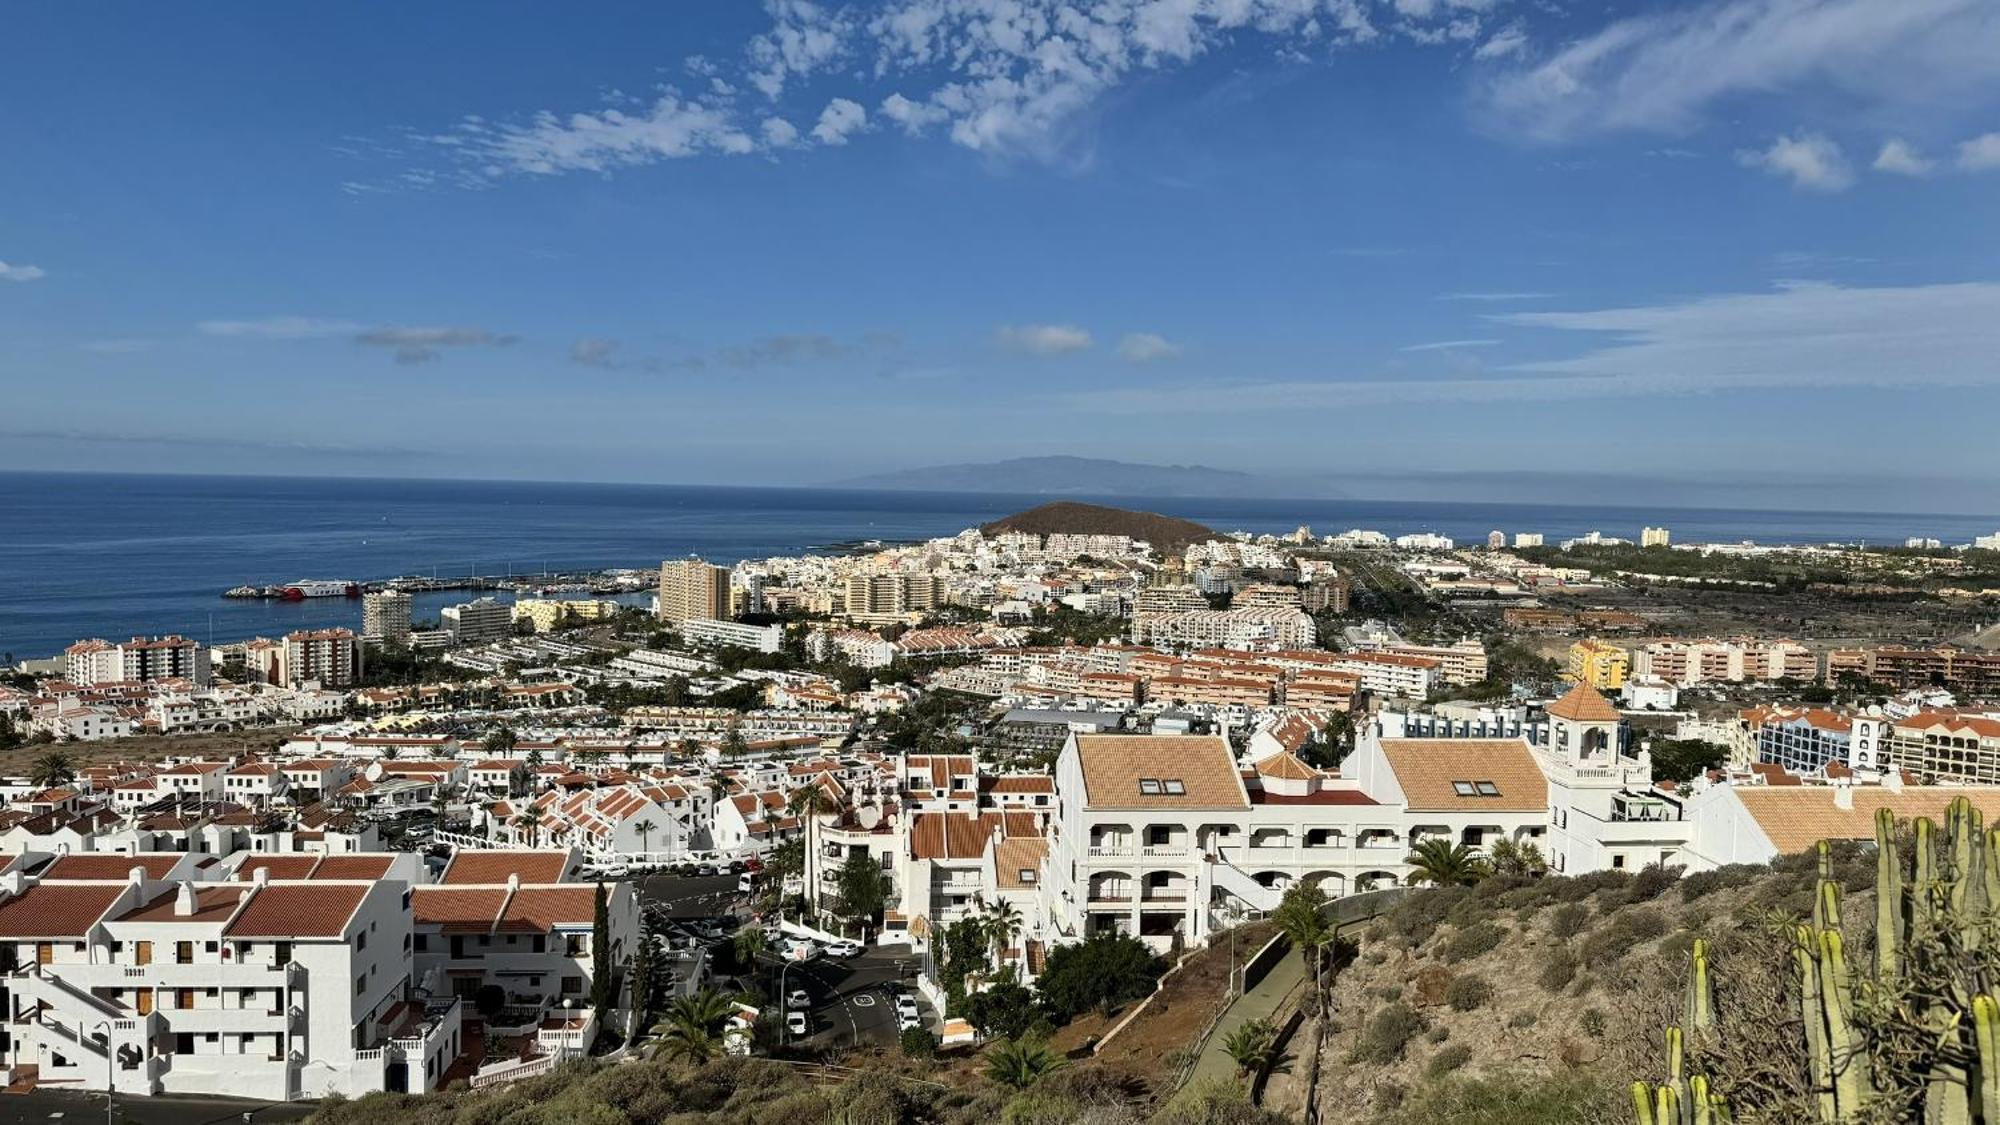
845, 947
797, 998
617, 871
801, 950
795, 1023
906, 1009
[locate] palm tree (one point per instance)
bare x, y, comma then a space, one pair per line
693, 1026
750, 941
1511, 857
645, 829
57, 767
525, 822
1301, 917
808, 803
1442, 863
1020, 1063
1002, 923
1252, 1046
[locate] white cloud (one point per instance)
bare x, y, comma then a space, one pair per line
279, 328
1899, 157
914, 117
1044, 339
1809, 159
1980, 153
779, 133
1500, 295
839, 120
673, 128
1506, 44
1145, 347
1449, 345
21, 273
422, 345
1795, 337
1663, 69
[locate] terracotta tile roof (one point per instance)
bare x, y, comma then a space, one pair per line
367, 867
1019, 783
1118, 770
299, 910
1585, 704
1796, 818
1430, 770
57, 910
279, 866
117, 867
541, 909
1015, 855
494, 867
1286, 766
213, 905
458, 909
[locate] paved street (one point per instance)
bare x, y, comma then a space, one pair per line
850, 1002
63, 1107
694, 896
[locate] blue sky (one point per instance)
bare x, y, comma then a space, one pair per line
1743, 249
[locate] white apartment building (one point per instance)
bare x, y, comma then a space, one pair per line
141, 659
385, 616
328, 657
731, 634
1246, 630
1685, 663
268, 990
1390, 674
477, 621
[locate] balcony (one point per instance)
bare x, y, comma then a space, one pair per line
1166, 850
1108, 851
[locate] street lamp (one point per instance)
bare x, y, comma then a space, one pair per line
110, 1070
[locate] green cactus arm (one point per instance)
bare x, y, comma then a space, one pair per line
1699, 1102
1853, 1084
1888, 896
1986, 1034
1642, 1104
1701, 991
1812, 1013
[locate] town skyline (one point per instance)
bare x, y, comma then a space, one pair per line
810, 242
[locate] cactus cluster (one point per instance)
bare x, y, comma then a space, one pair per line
1914, 1031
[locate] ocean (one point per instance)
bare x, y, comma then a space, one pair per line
103, 555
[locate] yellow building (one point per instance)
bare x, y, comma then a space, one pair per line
547, 614
691, 588
1600, 665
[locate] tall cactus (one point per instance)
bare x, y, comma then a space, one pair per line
1888, 895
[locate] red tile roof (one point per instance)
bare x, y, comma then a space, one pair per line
494, 867
299, 910
117, 867
53, 910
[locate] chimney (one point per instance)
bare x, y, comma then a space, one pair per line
262, 875
184, 902
1892, 779
513, 881
136, 876
1843, 798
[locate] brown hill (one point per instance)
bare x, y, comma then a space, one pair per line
1166, 533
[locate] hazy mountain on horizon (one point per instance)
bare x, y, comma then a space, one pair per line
1091, 476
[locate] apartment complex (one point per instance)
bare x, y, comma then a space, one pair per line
691, 588
1971, 673
330, 657
891, 597
385, 616
1603, 666
478, 621
139, 660
707, 632
1685, 663
1252, 630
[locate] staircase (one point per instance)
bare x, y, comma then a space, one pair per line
1232, 878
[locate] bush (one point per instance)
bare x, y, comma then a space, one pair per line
1704, 883
1651, 882
1592, 1022
1438, 1034
1558, 970
1467, 993
1101, 972
1447, 1060
1625, 929
1420, 914
1513, 1099
1473, 941
1004, 1010
918, 1043
1522, 1019
1569, 920
1386, 1033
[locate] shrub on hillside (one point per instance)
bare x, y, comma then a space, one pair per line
1420, 914
1447, 1060
1651, 882
1513, 1099
1473, 941
1386, 1033
1621, 932
1101, 972
1558, 970
1467, 993
1569, 920
1704, 883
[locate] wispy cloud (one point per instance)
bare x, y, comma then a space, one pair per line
424, 345
1980, 154
1145, 347
21, 272
1662, 70
1809, 160
1043, 339
279, 328
1899, 157
1798, 336
1448, 345
1499, 295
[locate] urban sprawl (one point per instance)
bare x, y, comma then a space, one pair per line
408, 853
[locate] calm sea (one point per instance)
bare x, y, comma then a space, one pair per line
114, 556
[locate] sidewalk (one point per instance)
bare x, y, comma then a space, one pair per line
1260, 1002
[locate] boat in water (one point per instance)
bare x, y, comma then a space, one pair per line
318, 588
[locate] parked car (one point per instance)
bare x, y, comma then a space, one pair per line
799, 949
906, 1008
753, 865
704, 869
907, 1020
797, 1024
746, 883
797, 998
617, 871
845, 947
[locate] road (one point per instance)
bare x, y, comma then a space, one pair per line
68, 1107
692, 896
850, 1001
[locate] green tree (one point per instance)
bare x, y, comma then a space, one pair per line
10, 735
1252, 1046
1003, 923
1004, 1009
500, 742
1442, 863
600, 953
643, 978
863, 890
808, 803
1516, 857
57, 767
1102, 972
1020, 1063
748, 944
645, 828
1684, 759
1301, 917
693, 1026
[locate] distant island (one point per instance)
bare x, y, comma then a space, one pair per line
1089, 476
1167, 534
